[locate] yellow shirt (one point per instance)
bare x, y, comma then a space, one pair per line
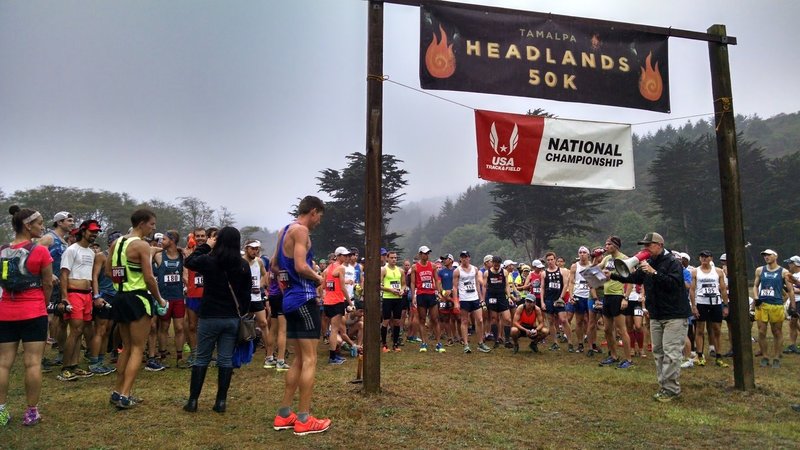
612, 287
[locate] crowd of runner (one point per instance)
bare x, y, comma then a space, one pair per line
428, 304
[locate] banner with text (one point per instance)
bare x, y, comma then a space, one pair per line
464, 48
521, 149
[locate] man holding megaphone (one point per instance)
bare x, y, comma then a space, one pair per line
662, 277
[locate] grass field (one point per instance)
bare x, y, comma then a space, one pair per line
429, 401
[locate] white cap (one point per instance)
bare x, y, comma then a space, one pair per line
769, 252
424, 249
158, 236
538, 264
341, 251
61, 216
686, 256
487, 258
508, 262
723, 257
254, 244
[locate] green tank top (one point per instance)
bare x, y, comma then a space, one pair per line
134, 279
392, 280
612, 287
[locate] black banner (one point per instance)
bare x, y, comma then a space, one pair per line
464, 48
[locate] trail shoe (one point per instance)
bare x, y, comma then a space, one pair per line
483, 348
311, 426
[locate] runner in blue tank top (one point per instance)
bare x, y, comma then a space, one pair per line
299, 281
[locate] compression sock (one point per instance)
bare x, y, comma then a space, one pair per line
395, 335
333, 354
383, 335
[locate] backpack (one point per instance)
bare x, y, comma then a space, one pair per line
14, 274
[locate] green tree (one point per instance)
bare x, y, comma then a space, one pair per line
344, 212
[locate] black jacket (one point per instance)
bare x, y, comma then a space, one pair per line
217, 298
665, 291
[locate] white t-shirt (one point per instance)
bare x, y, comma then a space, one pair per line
79, 261
349, 278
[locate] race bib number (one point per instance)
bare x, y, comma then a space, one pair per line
769, 292
119, 274
427, 285
492, 301
554, 285
330, 286
198, 281
638, 312
283, 280
394, 285
469, 287
172, 278
443, 305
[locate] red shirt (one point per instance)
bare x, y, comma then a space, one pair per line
424, 280
30, 303
528, 319
194, 286
333, 286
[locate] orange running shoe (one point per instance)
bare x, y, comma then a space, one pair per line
312, 425
284, 423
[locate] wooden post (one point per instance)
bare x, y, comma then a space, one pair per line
731, 210
373, 219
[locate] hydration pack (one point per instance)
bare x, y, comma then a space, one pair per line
14, 274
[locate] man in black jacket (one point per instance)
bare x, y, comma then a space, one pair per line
662, 277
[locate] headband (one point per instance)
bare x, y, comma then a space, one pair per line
31, 218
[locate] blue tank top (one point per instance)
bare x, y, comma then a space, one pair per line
170, 277
358, 273
770, 287
105, 284
56, 249
297, 290
446, 276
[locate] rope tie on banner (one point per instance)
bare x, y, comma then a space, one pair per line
727, 106
726, 101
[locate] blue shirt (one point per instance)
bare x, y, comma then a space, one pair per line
297, 291
447, 278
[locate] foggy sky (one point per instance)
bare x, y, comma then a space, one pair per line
242, 103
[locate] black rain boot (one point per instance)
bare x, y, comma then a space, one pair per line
224, 375
198, 377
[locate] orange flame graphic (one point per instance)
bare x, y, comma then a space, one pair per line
439, 58
650, 84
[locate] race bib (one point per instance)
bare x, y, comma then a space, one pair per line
554, 285
427, 285
492, 301
330, 286
443, 305
198, 281
119, 274
394, 285
469, 287
769, 292
638, 312
172, 278
283, 280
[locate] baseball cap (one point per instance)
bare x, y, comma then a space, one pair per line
509, 262
254, 244
90, 225
705, 253
650, 238
383, 251
525, 267
538, 264
769, 252
686, 256
424, 249
341, 251
793, 260
158, 236
530, 298
61, 216
463, 253
723, 257
447, 256
487, 258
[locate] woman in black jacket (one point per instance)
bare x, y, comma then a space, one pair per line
225, 272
